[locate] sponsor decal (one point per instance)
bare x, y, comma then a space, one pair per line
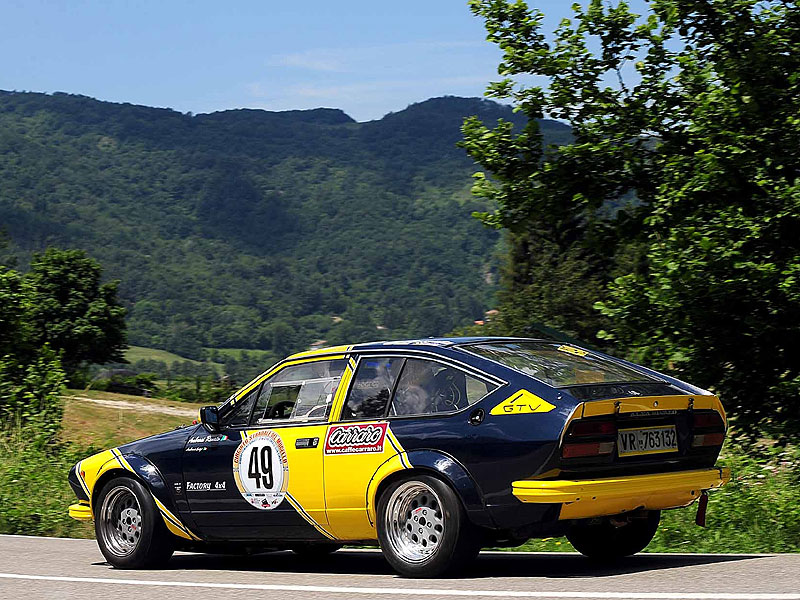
197, 449
356, 439
178, 488
261, 469
207, 439
572, 350
205, 486
521, 403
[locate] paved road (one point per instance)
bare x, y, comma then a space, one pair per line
66, 568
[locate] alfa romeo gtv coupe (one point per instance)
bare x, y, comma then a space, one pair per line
432, 448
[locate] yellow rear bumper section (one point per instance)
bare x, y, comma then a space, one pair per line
81, 512
583, 499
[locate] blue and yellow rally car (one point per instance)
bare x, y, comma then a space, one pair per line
433, 448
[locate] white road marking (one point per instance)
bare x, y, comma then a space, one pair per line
330, 589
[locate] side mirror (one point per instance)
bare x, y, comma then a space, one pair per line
209, 416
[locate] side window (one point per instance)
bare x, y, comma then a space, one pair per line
299, 393
371, 389
427, 387
239, 414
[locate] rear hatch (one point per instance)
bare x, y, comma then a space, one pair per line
629, 420
648, 434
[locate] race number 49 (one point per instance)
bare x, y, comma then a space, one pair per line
261, 471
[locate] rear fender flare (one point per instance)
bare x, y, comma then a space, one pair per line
441, 465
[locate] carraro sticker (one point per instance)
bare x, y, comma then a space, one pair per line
522, 402
356, 439
261, 469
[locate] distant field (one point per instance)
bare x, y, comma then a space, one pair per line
134, 353
237, 353
90, 424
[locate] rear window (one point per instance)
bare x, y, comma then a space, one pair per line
559, 365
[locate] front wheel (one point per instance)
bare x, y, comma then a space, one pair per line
614, 537
423, 529
129, 528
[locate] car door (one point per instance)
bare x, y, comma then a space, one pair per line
357, 443
261, 475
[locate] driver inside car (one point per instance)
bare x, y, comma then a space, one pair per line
426, 387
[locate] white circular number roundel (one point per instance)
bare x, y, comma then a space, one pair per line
261, 470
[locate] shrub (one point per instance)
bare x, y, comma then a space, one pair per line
34, 493
30, 395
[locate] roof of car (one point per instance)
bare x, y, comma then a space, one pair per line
405, 344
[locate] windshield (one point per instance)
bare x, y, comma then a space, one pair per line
559, 365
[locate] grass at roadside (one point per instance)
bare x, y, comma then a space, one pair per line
34, 494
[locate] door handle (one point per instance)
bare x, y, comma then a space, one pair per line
306, 443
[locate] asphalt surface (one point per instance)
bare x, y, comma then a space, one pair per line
66, 568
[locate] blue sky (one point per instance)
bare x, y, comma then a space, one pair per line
367, 58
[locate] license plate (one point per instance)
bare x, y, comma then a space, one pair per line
648, 440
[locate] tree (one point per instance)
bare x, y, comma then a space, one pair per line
680, 192
31, 378
14, 329
72, 312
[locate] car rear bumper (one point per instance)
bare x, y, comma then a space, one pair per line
81, 511
581, 499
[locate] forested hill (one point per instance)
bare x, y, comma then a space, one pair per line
256, 229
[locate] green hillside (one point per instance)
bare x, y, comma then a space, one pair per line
254, 229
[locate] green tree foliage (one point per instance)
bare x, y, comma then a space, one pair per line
56, 317
30, 395
678, 198
31, 376
72, 312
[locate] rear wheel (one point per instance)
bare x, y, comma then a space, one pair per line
129, 528
423, 529
614, 537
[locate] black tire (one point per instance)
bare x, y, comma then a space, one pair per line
452, 551
129, 528
315, 550
607, 541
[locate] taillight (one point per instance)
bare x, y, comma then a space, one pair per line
591, 428
708, 429
708, 439
584, 449
704, 420
576, 444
